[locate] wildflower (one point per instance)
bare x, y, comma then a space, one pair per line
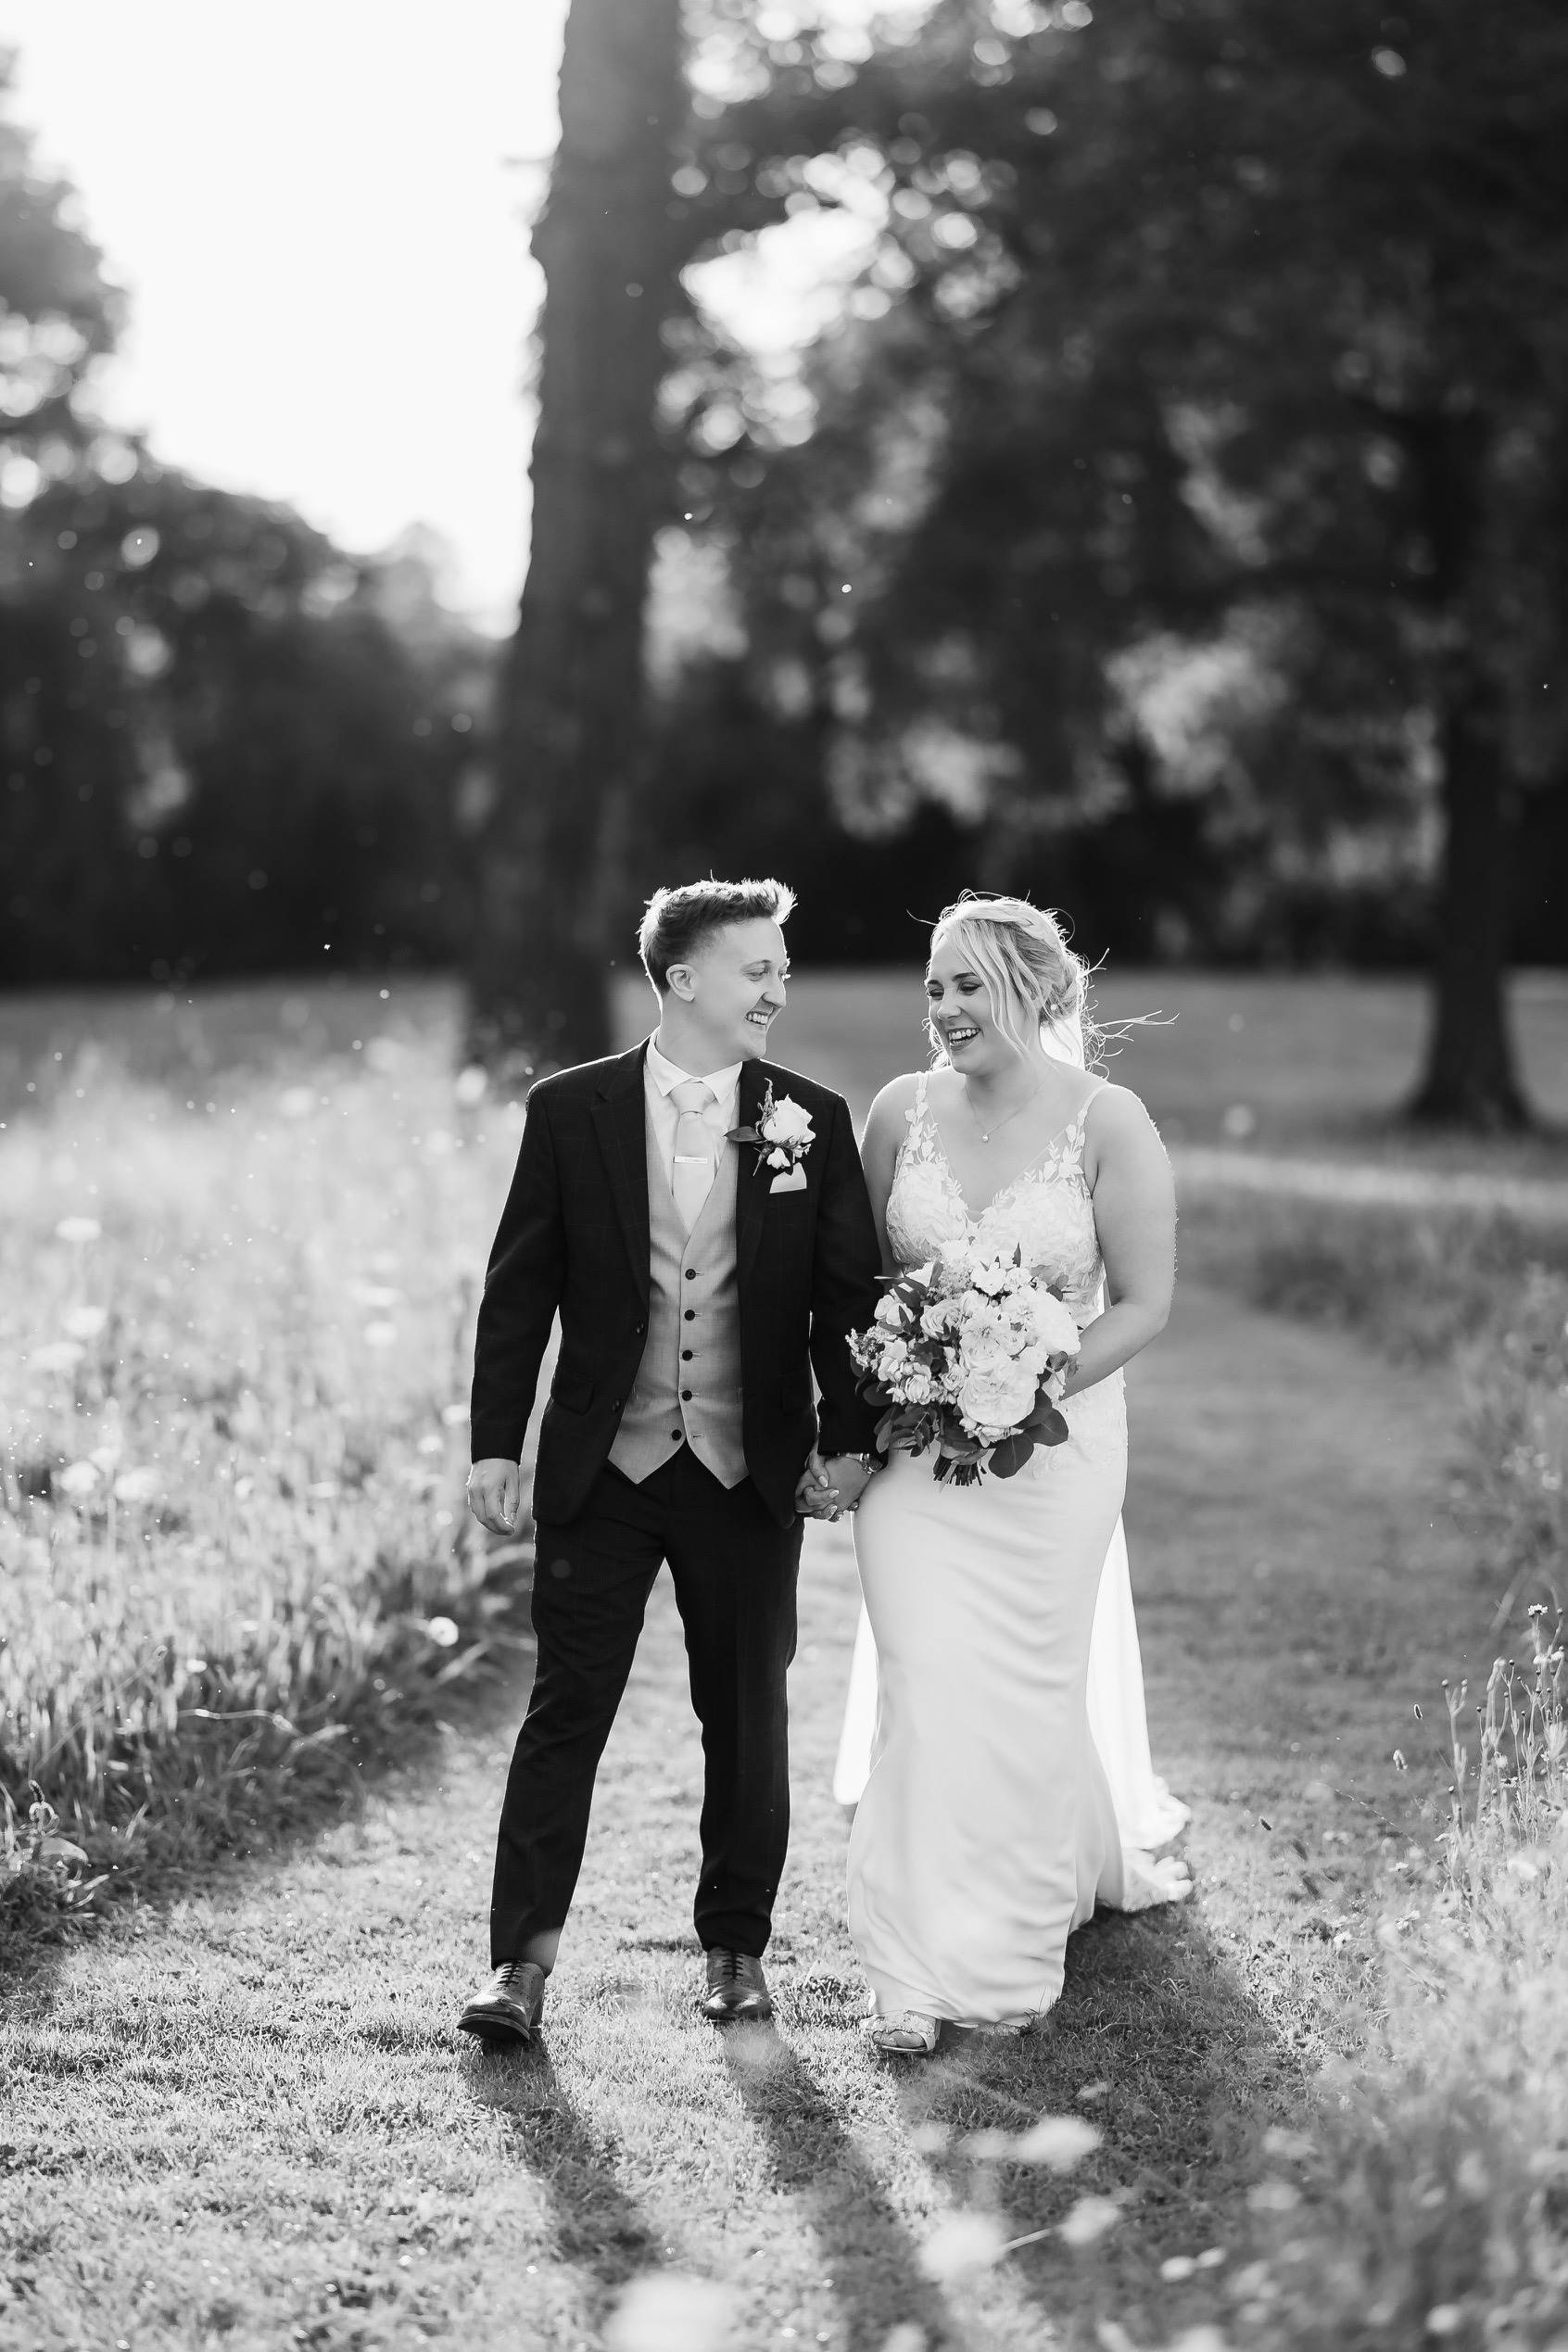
381, 1334
1444, 2318
297, 1102
78, 1481
961, 2242
1399, 1763
1177, 2267
1273, 2196
443, 1632
135, 1485
1091, 2091
1089, 2220
59, 1356
1059, 2141
80, 1230
85, 1322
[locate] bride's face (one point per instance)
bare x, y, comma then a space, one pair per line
959, 1006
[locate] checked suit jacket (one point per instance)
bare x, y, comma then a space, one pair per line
574, 1240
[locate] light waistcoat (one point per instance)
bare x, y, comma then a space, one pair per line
693, 1302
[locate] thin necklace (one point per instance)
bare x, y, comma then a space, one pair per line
986, 1133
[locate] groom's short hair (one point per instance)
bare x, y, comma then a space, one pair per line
675, 923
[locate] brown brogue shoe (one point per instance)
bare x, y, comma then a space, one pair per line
737, 1987
511, 2006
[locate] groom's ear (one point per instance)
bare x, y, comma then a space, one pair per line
679, 980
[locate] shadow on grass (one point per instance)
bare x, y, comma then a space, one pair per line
1157, 2041
184, 1857
599, 2229
875, 2260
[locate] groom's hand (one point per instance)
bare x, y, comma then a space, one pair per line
825, 1488
495, 1490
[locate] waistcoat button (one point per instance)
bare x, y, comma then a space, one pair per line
692, 1314
686, 1396
691, 1273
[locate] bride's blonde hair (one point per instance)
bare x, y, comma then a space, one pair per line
1038, 988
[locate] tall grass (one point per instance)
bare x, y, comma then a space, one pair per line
1429, 2204
234, 1335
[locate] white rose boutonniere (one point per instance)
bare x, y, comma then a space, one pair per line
783, 1135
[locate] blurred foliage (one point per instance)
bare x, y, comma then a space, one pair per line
222, 745
1188, 476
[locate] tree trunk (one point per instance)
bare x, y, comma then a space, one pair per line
1471, 1080
570, 712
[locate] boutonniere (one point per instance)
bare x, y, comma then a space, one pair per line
783, 1135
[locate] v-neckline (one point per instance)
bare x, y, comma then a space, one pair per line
1029, 1168
1045, 1151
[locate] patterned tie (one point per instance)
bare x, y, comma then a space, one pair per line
693, 1178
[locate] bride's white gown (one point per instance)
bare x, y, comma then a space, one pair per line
989, 1824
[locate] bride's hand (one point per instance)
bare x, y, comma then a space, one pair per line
815, 1496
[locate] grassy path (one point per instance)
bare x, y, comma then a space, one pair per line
246, 2121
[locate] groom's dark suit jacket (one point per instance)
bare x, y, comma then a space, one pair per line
574, 1238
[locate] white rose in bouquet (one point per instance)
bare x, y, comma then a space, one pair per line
997, 1395
983, 1343
890, 1314
1054, 1329
938, 1320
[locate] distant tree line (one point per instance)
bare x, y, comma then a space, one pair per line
223, 747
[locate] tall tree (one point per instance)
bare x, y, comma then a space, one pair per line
1249, 332
571, 697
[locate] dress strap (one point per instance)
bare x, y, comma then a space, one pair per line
1073, 1139
918, 1119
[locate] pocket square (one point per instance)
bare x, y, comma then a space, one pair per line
793, 1181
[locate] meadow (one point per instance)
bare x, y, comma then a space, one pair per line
259, 1667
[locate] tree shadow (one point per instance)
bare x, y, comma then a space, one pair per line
876, 2269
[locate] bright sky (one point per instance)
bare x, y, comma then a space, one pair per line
317, 209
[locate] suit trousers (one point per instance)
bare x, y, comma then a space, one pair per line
735, 1571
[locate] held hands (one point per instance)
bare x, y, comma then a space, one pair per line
825, 1488
495, 1490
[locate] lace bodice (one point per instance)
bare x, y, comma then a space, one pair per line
1045, 1211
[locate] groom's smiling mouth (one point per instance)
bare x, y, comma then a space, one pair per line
763, 1018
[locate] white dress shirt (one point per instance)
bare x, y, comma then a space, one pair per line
659, 1075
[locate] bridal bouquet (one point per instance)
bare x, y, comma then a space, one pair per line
963, 1353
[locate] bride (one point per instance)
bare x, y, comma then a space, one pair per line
987, 1830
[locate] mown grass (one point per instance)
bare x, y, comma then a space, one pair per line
241, 2117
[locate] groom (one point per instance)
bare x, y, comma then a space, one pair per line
700, 1280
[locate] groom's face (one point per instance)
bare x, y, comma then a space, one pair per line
735, 987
